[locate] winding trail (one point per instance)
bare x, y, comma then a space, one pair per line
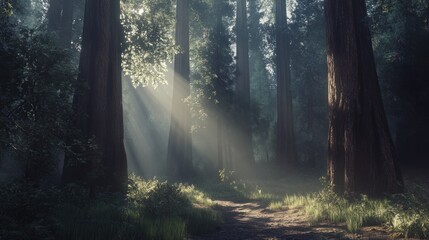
250, 219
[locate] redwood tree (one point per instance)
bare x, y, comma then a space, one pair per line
361, 155
179, 157
244, 142
221, 67
98, 100
286, 149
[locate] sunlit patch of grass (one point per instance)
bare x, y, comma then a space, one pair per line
297, 200
196, 196
354, 218
277, 205
290, 201
410, 216
403, 214
411, 225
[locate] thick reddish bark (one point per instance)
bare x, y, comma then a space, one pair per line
286, 149
179, 158
98, 99
244, 142
361, 155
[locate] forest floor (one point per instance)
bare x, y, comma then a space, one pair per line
251, 219
245, 218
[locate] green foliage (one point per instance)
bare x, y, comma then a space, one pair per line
6, 7
198, 198
35, 91
25, 211
226, 176
229, 180
400, 35
230, 186
156, 198
262, 82
309, 80
151, 210
161, 199
149, 42
165, 200
410, 216
212, 69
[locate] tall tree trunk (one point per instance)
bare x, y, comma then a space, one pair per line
286, 149
219, 87
98, 100
243, 85
361, 155
220, 60
179, 158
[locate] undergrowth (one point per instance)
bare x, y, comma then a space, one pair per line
152, 209
404, 214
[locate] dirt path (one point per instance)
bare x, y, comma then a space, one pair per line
252, 220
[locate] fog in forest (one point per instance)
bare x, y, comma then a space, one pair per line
214, 119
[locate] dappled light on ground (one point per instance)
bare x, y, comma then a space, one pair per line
253, 220
279, 207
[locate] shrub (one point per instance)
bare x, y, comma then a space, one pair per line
156, 198
152, 210
165, 200
35, 88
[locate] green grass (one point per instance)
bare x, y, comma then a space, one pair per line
403, 214
102, 220
201, 220
196, 196
406, 215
